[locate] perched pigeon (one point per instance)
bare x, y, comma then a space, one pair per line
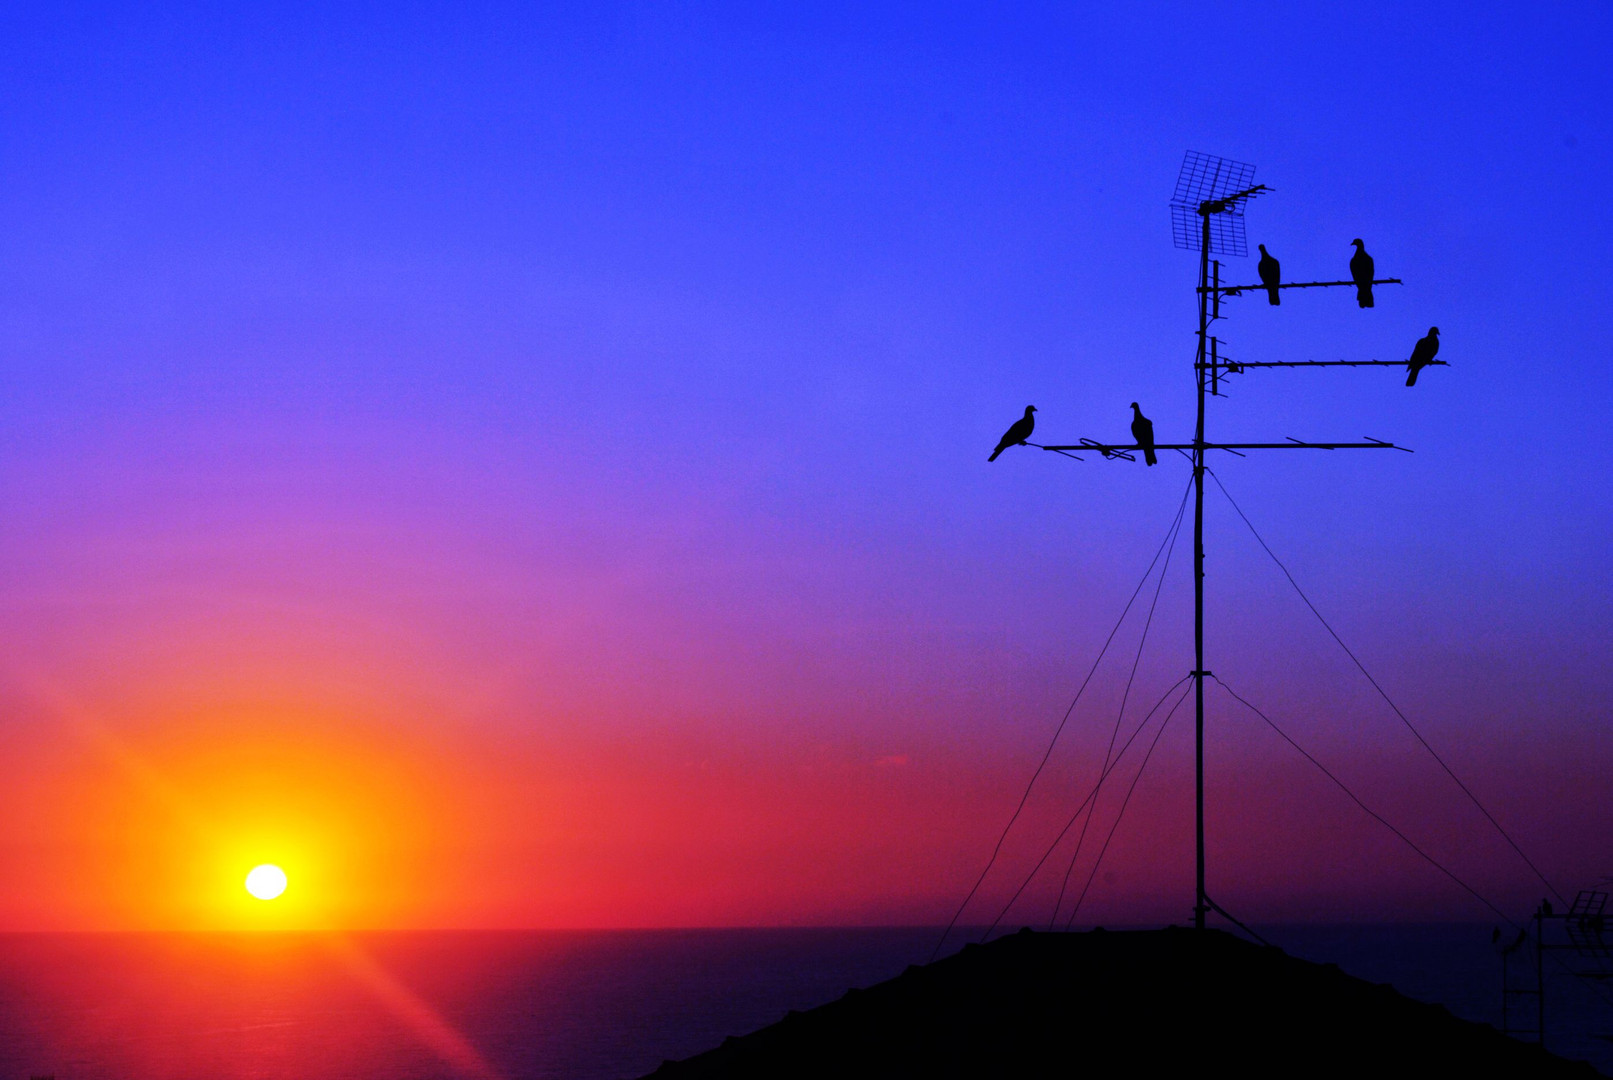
1271, 275
1142, 429
1361, 270
1016, 435
1422, 354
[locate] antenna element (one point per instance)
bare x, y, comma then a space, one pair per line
1214, 188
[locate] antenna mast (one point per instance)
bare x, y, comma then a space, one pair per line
1207, 216
1220, 188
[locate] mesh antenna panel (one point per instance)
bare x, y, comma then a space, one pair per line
1206, 178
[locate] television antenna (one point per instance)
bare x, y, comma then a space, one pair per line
1207, 216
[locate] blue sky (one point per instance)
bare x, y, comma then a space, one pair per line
637, 366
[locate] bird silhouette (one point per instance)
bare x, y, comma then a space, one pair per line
1361, 268
1422, 354
1018, 433
1142, 429
1271, 275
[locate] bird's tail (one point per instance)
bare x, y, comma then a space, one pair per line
1148, 456
1411, 376
999, 449
1274, 297
1363, 295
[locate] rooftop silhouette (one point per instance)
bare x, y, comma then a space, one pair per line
1154, 1002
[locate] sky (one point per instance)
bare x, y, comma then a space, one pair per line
524, 465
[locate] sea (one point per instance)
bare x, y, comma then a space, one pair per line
569, 1005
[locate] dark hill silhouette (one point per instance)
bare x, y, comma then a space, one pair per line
1172, 1002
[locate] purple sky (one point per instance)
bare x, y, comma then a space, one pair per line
589, 411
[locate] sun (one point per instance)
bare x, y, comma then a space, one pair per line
266, 882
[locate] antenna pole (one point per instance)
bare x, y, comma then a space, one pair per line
1207, 215
1200, 903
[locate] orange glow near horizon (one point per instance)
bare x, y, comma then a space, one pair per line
176, 805
392, 807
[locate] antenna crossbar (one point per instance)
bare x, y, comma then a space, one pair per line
1235, 290
1234, 368
1292, 444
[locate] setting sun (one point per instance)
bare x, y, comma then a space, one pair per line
266, 882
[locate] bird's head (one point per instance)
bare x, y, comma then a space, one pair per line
1134, 405
1262, 248
1029, 409
1357, 242
1433, 331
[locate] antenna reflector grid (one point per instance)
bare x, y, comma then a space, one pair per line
1207, 178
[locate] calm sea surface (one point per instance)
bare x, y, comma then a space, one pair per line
575, 1005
